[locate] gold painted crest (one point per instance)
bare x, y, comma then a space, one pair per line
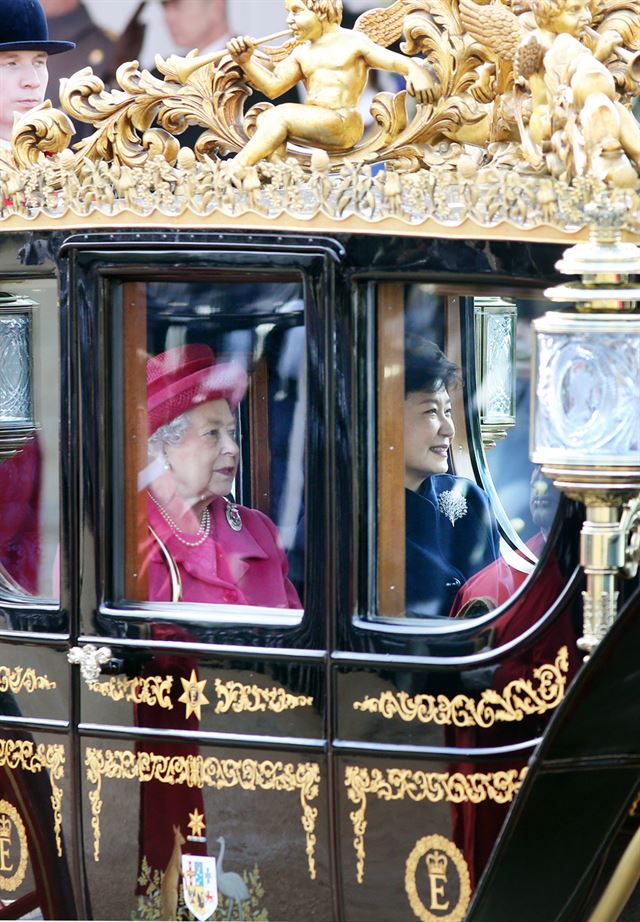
14, 850
437, 880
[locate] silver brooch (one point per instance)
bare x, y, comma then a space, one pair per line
233, 515
453, 505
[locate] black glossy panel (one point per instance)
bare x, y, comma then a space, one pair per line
34, 682
269, 808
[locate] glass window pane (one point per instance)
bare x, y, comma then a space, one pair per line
434, 435
29, 439
214, 440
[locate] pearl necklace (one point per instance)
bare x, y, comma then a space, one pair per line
202, 534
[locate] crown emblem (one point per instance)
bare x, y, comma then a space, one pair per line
437, 863
5, 827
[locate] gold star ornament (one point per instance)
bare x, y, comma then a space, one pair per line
196, 823
193, 695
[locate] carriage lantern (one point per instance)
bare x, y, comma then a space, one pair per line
495, 329
585, 428
17, 423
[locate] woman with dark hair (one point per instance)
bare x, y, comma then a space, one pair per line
451, 532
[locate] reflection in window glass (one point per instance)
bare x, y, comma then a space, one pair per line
215, 407
29, 480
529, 500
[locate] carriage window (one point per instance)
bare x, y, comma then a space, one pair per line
453, 475
214, 407
29, 423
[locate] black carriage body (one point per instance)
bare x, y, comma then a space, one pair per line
353, 766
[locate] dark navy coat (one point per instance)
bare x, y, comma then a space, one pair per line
451, 534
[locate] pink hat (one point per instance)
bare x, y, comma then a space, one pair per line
187, 376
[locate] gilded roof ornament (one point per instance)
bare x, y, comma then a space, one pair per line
513, 112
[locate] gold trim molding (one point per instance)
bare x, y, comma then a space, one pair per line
197, 771
438, 852
520, 698
150, 690
240, 698
29, 757
399, 783
236, 697
23, 679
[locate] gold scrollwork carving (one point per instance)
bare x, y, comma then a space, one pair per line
150, 690
29, 757
520, 698
11, 876
439, 853
23, 679
199, 771
237, 697
398, 783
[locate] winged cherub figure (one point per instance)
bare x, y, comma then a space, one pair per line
560, 59
333, 64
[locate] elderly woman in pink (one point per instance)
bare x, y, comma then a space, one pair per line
204, 548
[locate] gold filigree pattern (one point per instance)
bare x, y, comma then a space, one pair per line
199, 771
23, 679
400, 783
239, 698
520, 698
234, 697
150, 690
29, 757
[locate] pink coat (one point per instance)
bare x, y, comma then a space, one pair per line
246, 567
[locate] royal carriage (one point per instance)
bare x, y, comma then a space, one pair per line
354, 757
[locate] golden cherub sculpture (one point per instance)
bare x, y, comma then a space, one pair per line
568, 111
333, 64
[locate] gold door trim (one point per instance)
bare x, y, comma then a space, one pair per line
397, 783
239, 698
198, 771
236, 697
29, 757
150, 690
520, 698
25, 679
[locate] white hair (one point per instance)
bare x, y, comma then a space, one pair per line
170, 434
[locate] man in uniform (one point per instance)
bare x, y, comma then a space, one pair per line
25, 49
69, 19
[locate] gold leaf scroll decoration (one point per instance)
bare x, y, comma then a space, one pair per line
24, 679
237, 697
150, 690
41, 130
29, 757
198, 771
397, 784
520, 698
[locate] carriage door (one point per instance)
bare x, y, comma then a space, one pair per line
36, 752
457, 641
202, 703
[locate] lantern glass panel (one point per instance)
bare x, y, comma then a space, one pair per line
586, 380
16, 403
